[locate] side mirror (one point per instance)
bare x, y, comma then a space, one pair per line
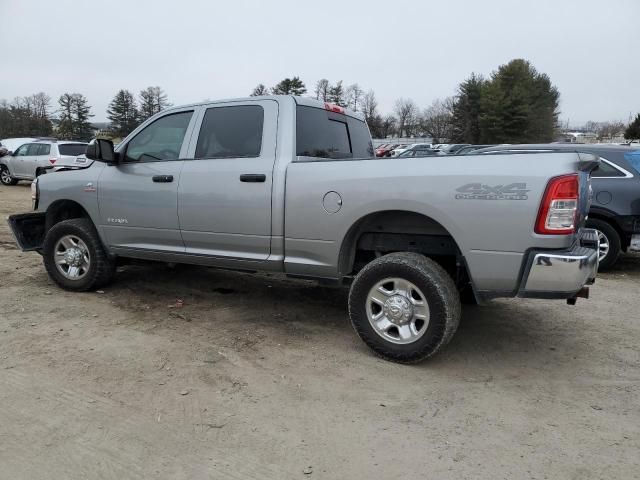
101, 150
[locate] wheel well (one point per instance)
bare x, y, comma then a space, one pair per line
401, 231
61, 210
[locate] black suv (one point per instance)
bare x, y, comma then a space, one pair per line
615, 209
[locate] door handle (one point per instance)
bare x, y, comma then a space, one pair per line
162, 178
253, 177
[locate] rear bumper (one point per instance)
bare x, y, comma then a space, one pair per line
561, 273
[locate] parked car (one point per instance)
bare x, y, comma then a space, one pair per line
212, 184
389, 148
453, 148
469, 149
32, 159
419, 150
380, 149
615, 209
403, 148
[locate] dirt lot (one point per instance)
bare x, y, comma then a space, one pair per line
260, 377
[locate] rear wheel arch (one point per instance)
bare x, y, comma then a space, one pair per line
401, 230
610, 219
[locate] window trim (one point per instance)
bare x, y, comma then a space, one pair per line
626, 173
201, 124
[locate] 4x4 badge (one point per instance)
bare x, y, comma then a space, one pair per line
479, 191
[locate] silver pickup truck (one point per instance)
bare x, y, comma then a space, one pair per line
288, 184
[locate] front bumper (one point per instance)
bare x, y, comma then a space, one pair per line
561, 273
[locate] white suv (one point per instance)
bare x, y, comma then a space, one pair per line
31, 159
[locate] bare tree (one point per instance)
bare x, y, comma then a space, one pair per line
259, 90
354, 96
610, 130
388, 126
322, 89
437, 120
405, 110
369, 105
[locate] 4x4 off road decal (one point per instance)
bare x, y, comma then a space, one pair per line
479, 191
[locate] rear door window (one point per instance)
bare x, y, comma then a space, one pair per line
324, 134
605, 170
43, 149
231, 132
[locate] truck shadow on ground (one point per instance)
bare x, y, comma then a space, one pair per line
300, 312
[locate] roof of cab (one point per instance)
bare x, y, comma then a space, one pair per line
305, 101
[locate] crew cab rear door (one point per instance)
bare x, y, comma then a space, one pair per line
224, 197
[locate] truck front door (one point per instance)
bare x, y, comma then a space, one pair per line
138, 197
224, 198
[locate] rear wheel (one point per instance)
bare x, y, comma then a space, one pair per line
609, 243
404, 306
5, 176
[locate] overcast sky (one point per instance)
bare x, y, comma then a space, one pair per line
199, 50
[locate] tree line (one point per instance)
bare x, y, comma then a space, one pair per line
35, 116
515, 104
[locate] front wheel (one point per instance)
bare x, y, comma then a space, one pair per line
74, 256
5, 176
404, 306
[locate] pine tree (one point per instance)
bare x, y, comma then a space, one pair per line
260, 90
152, 101
633, 130
290, 86
518, 105
123, 113
337, 95
73, 122
466, 111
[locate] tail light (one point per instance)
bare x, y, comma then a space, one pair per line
53, 160
559, 207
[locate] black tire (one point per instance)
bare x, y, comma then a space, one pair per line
436, 286
101, 268
5, 177
613, 238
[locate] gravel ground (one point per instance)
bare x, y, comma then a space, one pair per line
262, 377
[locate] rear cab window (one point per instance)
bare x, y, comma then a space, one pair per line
321, 133
72, 149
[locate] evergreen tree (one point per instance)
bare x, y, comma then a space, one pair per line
152, 101
290, 86
123, 113
633, 130
337, 94
73, 122
260, 90
518, 105
466, 111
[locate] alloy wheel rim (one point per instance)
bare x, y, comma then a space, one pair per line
4, 175
72, 257
397, 310
604, 246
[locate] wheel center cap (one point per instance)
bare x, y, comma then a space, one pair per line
73, 257
398, 309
